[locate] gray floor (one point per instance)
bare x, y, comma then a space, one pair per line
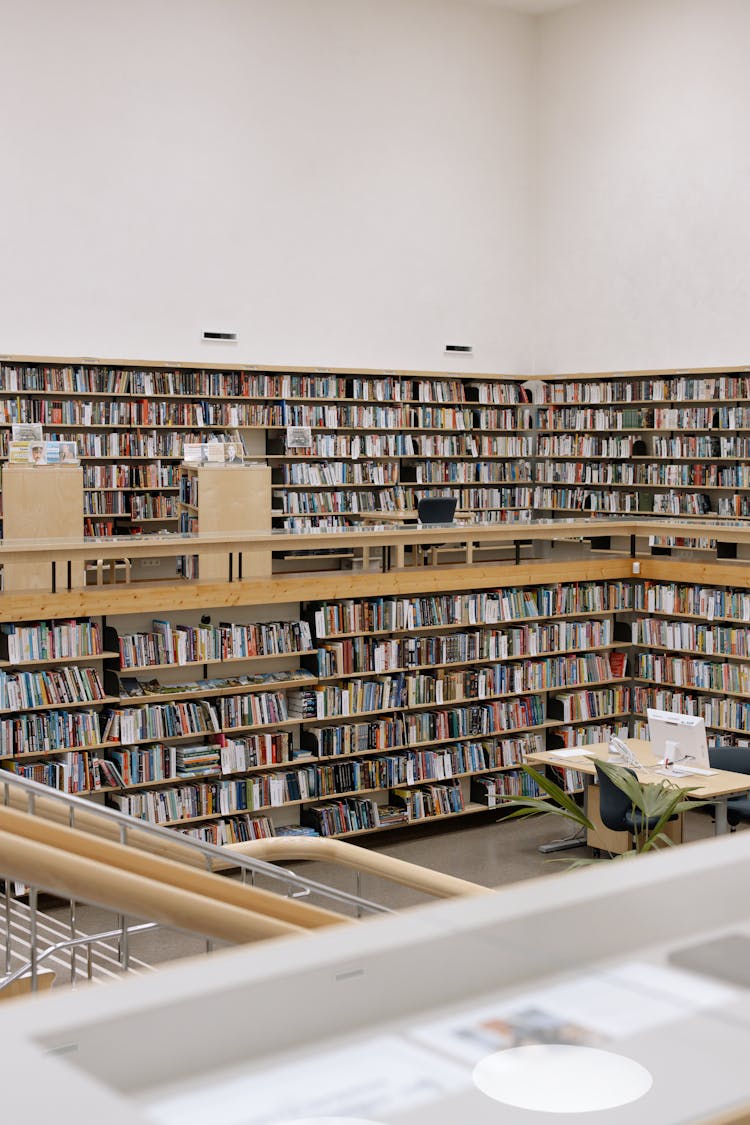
484, 852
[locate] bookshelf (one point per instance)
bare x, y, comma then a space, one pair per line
378, 440
671, 444
675, 443
363, 714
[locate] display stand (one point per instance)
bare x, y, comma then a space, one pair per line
228, 498
41, 502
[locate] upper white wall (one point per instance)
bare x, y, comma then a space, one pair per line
642, 169
344, 182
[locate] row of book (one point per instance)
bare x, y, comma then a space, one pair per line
42, 733
331, 473
584, 445
495, 788
677, 388
579, 499
681, 671
238, 384
154, 476
685, 599
124, 768
403, 691
465, 418
153, 507
406, 731
431, 800
105, 504
72, 380
144, 765
189, 489
173, 720
72, 773
691, 636
737, 505
353, 815
472, 472
104, 412
369, 654
208, 799
591, 704
592, 732
581, 418
50, 640
483, 607
681, 503
238, 830
656, 476
190, 383
49, 688
412, 446
721, 714
186, 644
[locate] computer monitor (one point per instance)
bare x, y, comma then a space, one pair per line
680, 739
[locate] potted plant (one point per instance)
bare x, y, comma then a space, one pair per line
661, 800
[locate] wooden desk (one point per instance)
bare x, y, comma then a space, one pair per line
408, 516
717, 787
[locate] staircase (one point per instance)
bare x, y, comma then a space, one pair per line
97, 961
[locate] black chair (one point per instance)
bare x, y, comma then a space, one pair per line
737, 760
435, 509
616, 809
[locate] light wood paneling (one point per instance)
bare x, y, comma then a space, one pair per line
40, 502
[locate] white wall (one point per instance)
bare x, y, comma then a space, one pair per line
642, 171
341, 181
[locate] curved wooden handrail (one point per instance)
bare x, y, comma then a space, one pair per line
285, 848
214, 888
100, 884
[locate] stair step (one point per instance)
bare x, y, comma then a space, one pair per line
104, 960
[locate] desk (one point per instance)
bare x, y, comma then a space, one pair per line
408, 516
462, 519
717, 787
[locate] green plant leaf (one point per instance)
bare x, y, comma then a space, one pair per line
556, 792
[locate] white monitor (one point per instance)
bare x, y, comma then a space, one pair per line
678, 739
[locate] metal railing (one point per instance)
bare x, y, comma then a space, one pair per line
38, 800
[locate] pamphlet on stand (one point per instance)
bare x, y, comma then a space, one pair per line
28, 447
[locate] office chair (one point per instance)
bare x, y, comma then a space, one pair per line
737, 760
616, 809
435, 509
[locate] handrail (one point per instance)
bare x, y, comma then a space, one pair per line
26, 795
382, 534
377, 535
171, 874
87, 880
422, 879
76, 943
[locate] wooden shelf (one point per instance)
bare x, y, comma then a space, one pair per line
209, 663
74, 706
55, 660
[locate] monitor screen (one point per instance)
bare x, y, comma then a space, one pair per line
681, 739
